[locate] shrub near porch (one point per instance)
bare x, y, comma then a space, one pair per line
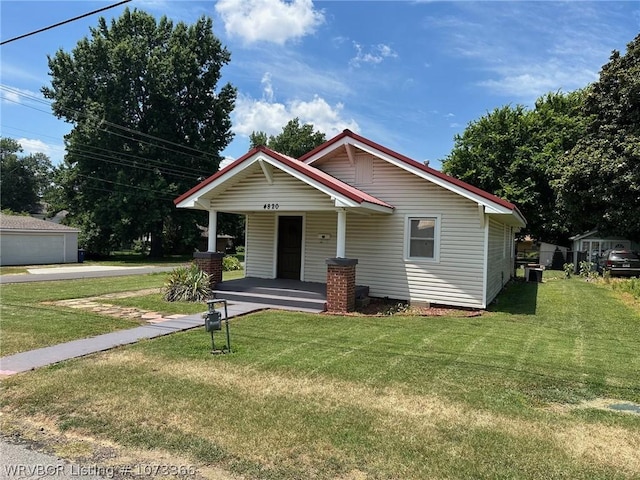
320, 396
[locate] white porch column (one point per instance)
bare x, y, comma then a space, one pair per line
213, 231
341, 241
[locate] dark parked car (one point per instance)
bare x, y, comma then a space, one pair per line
620, 262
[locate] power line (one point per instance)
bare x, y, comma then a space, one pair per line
3, 126
106, 122
113, 157
136, 187
64, 22
117, 161
201, 173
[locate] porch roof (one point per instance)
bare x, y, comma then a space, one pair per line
343, 194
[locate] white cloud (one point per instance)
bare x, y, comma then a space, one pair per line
259, 115
267, 89
565, 45
376, 54
275, 21
18, 95
14, 72
285, 71
533, 80
34, 145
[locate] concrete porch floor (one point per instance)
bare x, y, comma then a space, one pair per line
279, 291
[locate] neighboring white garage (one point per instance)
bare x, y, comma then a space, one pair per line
29, 241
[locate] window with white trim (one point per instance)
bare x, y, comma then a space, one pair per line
422, 238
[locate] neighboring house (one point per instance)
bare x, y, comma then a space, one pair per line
30, 241
589, 246
403, 229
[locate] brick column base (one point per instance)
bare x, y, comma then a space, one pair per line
211, 263
341, 284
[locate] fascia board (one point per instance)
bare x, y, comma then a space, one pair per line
334, 146
511, 220
376, 208
340, 203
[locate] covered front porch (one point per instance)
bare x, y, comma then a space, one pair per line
296, 224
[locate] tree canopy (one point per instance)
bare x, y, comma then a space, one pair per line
600, 182
514, 153
572, 164
295, 140
24, 179
148, 123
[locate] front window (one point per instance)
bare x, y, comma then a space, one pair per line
422, 238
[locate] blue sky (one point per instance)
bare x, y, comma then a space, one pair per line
406, 74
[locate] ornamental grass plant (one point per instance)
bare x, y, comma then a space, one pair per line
187, 284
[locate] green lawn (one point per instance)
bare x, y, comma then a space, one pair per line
320, 396
26, 322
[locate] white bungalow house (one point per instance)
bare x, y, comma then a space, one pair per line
354, 211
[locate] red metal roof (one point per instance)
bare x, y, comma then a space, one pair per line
325, 179
344, 188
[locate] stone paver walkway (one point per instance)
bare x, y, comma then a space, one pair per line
101, 305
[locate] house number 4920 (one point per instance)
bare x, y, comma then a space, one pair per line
271, 206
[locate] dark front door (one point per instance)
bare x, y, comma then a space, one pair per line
289, 247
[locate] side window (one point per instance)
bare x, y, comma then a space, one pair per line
422, 238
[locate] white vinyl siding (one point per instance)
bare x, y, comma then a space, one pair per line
260, 245
499, 263
285, 194
377, 240
317, 249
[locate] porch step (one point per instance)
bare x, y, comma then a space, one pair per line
283, 293
273, 291
279, 300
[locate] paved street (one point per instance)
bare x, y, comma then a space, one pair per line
79, 272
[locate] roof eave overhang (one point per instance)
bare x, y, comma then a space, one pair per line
38, 230
582, 235
364, 205
508, 216
196, 199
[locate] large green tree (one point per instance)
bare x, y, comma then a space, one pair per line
514, 153
295, 140
600, 182
148, 123
24, 179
